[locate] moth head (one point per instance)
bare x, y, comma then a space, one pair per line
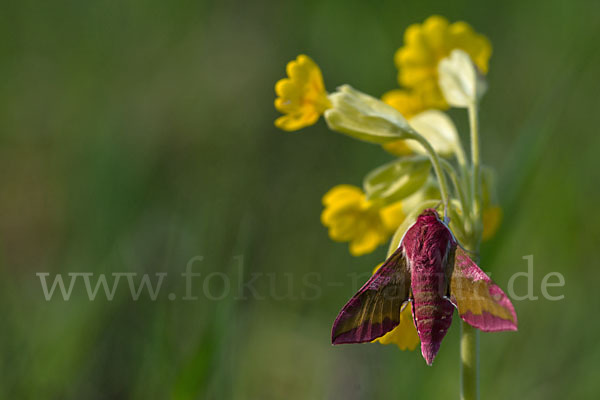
428, 215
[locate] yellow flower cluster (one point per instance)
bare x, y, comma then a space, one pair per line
352, 218
302, 96
417, 62
425, 45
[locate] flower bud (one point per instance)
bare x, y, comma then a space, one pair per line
365, 117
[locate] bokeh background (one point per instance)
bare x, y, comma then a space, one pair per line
136, 135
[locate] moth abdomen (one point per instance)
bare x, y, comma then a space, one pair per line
432, 312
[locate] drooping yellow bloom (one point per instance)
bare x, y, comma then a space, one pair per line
301, 96
405, 335
425, 45
352, 218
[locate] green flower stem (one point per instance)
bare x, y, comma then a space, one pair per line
461, 158
456, 183
469, 341
469, 361
469, 354
459, 151
475, 174
435, 161
465, 176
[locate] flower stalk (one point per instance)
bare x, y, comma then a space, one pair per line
456, 183
475, 174
469, 342
435, 161
469, 362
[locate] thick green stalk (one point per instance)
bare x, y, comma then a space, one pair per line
469, 354
469, 341
475, 174
469, 362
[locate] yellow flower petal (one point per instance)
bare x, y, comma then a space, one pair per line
405, 334
409, 103
425, 45
344, 207
365, 242
398, 148
301, 96
342, 192
476, 45
350, 217
435, 29
343, 230
392, 216
492, 216
295, 121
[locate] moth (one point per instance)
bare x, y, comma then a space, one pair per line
432, 274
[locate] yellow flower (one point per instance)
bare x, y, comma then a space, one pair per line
301, 96
425, 45
405, 334
352, 218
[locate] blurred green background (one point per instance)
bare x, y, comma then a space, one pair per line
136, 135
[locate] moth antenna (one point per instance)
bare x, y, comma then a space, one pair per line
446, 219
